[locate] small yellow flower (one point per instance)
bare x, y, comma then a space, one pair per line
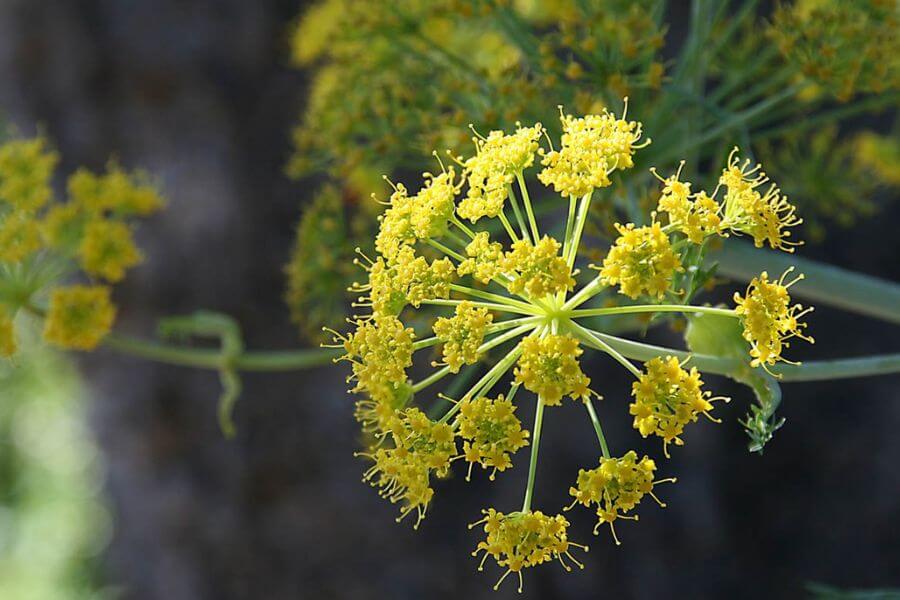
538, 270
8, 344
26, 167
107, 250
408, 279
421, 447
765, 217
524, 539
666, 398
549, 367
462, 334
20, 237
694, 215
491, 431
117, 192
79, 316
592, 147
769, 319
641, 261
484, 260
616, 487
380, 350
498, 159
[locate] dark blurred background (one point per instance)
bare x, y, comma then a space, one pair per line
200, 94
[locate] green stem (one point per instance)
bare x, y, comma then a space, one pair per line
579, 228
535, 235
288, 360
535, 445
508, 226
817, 370
439, 246
600, 437
593, 340
489, 296
651, 308
518, 213
498, 307
823, 284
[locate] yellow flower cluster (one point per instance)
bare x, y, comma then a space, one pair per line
419, 217
695, 215
421, 447
462, 334
616, 487
498, 159
518, 304
380, 350
91, 230
592, 148
538, 269
641, 261
549, 367
491, 432
765, 217
408, 279
79, 316
524, 539
484, 258
845, 47
666, 398
26, 167
769, 319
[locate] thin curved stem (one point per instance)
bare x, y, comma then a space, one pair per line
491, 306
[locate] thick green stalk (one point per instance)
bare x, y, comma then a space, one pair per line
824, 284
651, 308
816, 370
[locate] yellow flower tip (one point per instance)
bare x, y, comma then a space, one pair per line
79, 316
766, 217
26, 168
538, 270
408, 279
491, 433
499, 158
380, 351
522, 540
695, 215
549, 367
402, 473
484, 260
616, 487
462, 334
641, 261
107, 250
666, 398
592, 148
769, 319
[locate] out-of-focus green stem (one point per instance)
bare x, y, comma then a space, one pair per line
287, 360
824, 284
